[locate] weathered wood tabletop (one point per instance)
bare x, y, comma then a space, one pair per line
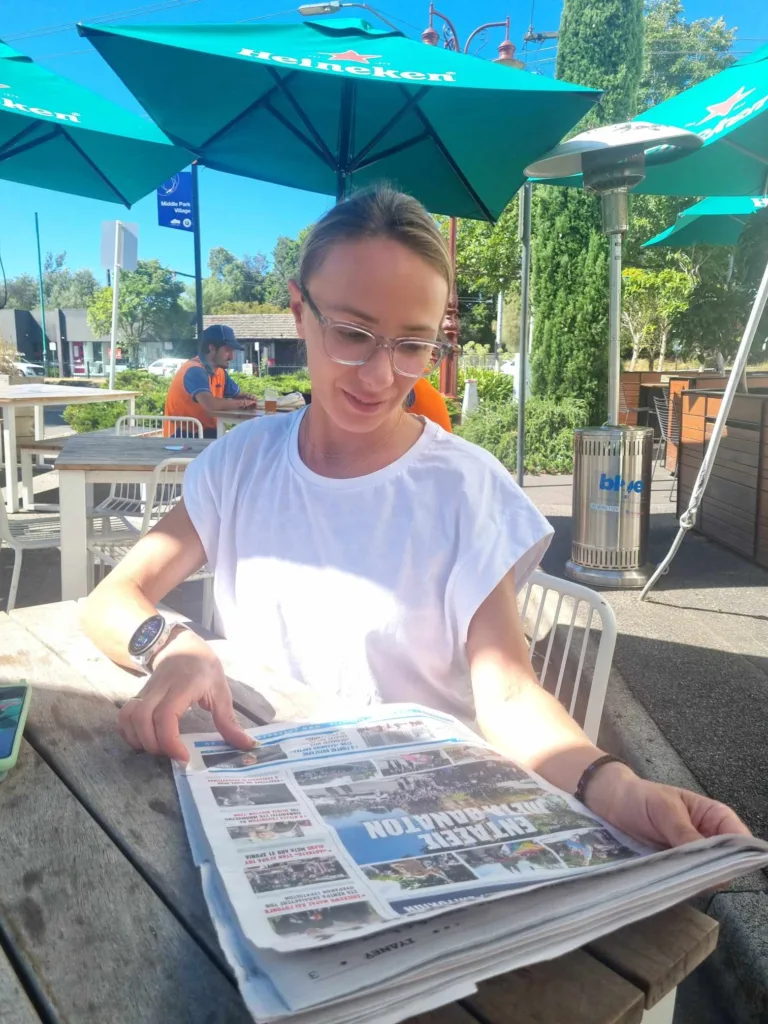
57, 394
102, 918
123, 453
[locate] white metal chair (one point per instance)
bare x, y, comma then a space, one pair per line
558, 618
126, 500
159, 426
27, 533
163, 493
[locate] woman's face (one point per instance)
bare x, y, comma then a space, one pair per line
386, 288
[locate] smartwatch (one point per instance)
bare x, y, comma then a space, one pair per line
149, 639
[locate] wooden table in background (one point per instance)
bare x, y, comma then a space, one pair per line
88, 459
38, 396
101, 911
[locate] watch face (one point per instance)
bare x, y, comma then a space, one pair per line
146, 635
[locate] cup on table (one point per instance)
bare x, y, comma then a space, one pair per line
270, 402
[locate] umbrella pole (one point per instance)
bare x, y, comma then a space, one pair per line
615, 209
525, 308
198, 255
688, 518
115, 300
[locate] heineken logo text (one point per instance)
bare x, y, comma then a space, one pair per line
359, 70
41, 111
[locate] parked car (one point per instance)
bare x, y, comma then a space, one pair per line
30, 369
165, 367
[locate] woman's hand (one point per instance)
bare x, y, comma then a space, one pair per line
184, 672
658, 814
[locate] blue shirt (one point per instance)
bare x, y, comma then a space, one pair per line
197, 379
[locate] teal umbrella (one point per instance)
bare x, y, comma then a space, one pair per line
718, 220
729, 112
55, 134
323, 105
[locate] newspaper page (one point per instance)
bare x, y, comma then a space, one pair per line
328, 830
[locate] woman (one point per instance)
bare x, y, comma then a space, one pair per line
364, 551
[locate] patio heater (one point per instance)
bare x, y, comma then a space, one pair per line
612, 464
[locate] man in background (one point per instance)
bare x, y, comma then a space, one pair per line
201, 387
425, 400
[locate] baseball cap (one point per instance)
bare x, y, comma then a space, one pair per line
221, 334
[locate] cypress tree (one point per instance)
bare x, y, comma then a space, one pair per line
600, 45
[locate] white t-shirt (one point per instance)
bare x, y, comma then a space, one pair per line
362, 588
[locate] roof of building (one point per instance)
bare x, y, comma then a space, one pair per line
250, 326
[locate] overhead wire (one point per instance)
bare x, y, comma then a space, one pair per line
49, 30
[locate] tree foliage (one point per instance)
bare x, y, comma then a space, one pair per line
62, 287
148, 307
653, 303
600, 45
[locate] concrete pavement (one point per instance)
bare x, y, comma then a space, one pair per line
688, 705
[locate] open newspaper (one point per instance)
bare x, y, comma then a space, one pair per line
339, 856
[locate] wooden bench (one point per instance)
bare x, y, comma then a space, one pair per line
101, 911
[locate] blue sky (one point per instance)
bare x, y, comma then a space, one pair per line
239, 213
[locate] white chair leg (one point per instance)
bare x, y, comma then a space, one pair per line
208, 602
14, 580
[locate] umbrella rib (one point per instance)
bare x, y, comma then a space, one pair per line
285, 91
452, 163
20, 135
356, 161
261, 101
359, 166
747, 152
28, 145
299, 135
97, 169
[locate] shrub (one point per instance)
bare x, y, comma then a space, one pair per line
548, 434
153, 390
282, 384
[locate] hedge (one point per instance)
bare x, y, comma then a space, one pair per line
153, 390
549, 427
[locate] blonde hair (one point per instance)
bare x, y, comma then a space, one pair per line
377, 212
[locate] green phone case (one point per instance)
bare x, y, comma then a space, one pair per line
6, 763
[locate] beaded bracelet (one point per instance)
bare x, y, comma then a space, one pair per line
590, 770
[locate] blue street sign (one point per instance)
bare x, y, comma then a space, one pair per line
174, 202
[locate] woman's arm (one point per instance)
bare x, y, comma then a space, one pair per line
530, 726
186, 670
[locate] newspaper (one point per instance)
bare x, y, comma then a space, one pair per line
338, 855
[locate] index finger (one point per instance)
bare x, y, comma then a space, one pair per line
166, 721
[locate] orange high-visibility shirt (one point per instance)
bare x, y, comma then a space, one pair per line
428, 402
179, 402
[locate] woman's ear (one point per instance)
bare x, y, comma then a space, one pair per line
297, 307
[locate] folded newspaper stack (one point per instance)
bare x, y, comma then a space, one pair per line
376, 868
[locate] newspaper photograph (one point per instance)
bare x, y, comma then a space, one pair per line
329, 828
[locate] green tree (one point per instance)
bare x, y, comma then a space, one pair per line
249, 307
70, 289
600, 45
653, 302
678, 54
487, 261
148, 307
23, 292
285, 266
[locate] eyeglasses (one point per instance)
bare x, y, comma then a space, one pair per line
353, 345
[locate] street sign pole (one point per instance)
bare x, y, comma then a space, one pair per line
198, 256
115, 294
42, 295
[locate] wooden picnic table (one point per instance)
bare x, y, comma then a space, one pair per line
88, 459
20, 396
101, 911
231, 419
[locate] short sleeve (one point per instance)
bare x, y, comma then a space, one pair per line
231, 388
506, 531
203, 495
196, 380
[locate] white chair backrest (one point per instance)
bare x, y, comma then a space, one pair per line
178, 426
558, 618
164, 491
